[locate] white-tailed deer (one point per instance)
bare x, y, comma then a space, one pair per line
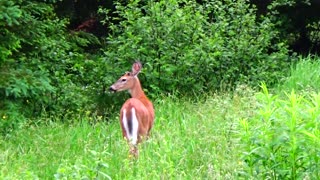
137, 113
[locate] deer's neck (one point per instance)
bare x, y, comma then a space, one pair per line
136, 91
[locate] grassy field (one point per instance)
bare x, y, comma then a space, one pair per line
245, 134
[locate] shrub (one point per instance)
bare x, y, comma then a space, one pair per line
187, 46
44, 70
282, 140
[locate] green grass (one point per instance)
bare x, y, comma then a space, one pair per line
38, 151
282, 140
240, 135
189, 140
305, 76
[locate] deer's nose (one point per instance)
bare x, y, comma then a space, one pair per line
112, 89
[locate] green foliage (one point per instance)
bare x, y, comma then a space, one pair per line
304, 76
185, 47
282, 141
243, 135
9, 15
44, 70
297, 22
10, 117
10, 12
189, 139
21, 79
314, 29
189, 46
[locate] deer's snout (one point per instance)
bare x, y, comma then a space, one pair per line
112, 89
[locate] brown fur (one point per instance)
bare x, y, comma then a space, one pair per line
139, 101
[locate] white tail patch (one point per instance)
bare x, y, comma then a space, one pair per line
135, 126
132, 134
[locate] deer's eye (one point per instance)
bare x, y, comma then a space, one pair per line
123, 80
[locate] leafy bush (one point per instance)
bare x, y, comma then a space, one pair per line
282, 140
44, 70
297, 22
187, 46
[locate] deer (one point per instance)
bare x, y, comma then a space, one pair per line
137, 113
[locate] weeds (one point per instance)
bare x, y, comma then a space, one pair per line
277, 142
304, 76
244, 134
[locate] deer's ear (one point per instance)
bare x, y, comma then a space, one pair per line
136, 68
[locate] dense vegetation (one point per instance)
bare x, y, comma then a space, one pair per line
57, 58
247, 134
204, 63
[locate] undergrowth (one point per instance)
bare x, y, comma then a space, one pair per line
244, 134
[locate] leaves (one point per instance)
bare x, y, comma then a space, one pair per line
172, 38
185, 47
42, 65
286, 135
9, 13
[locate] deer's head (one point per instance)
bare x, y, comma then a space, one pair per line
128, 80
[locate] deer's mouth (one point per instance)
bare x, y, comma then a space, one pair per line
111, 89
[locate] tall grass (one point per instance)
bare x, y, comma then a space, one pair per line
189, 140
244, 134
304, 76
282, 140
